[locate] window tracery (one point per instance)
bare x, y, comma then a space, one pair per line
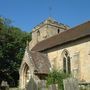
66, 62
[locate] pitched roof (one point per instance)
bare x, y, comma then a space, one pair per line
64, 37
41, 62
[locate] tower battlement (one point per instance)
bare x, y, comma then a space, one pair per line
46, 29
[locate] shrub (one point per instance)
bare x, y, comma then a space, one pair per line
56, 77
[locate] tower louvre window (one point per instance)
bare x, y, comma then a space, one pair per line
38, 33
58, 31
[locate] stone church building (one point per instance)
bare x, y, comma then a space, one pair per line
55, 45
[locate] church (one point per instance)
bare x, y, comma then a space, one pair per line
56, 46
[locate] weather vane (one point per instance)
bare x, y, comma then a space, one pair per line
50, 8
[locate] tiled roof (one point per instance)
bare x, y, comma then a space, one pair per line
64, 37
41, 62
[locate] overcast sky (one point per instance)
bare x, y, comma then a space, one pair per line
26, 14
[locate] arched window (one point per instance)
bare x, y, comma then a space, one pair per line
66, 62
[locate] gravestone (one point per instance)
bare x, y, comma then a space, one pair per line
53, 87
43, 85
31, 85
4, 85
71, 84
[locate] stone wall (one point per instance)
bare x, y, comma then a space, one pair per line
79, 55
46, 30
27, 62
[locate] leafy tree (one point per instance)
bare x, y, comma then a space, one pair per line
56, 77
12, 46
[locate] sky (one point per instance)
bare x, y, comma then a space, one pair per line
26, 14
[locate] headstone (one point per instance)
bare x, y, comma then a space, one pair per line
88, 87
31, 85
4, 85
43, 85
71, 84
53, 87
84, 86
39, 86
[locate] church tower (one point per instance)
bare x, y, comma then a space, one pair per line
45, 30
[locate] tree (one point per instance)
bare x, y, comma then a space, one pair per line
12, 46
